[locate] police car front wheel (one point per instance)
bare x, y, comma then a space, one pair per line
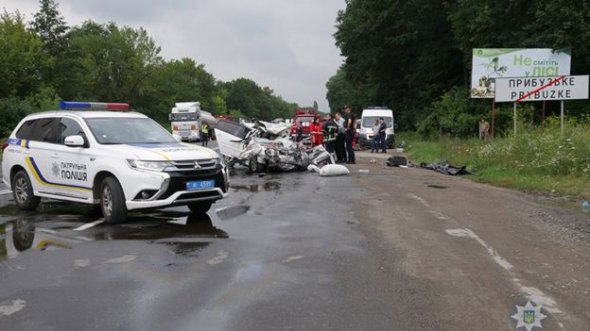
22, 191
112, 201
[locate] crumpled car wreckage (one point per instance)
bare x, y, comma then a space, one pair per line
266, 147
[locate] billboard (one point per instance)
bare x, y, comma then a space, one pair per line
491, 63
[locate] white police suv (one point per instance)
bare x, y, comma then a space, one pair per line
107, 156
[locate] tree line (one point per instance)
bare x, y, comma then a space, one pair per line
414, 56
45, 60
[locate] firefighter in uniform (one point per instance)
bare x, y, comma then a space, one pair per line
330, 130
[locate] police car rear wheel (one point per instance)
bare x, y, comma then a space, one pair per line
199, 208
112, 201
22, 191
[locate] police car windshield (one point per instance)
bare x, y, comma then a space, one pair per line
128, 131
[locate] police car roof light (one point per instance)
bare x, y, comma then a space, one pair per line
93, 105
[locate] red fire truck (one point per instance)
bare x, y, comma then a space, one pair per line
305, 117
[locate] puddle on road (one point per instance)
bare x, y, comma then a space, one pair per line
181, 232
265, 187
435, 186
53, 208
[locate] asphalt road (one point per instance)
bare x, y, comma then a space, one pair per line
387, 249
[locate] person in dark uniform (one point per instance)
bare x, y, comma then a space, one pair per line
349, 129
298, 131
383, 134
330, 130
340, 139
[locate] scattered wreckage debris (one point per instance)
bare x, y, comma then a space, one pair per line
266, 147
333, 170
445, 168
397, 161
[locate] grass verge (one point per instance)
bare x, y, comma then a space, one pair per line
538, 160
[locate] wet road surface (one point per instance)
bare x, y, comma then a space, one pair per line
387, 249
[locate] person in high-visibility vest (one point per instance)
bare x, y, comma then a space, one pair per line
330, 129
204, 134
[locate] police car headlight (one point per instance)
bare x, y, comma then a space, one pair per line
149, 165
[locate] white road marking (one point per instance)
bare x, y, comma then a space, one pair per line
221, 256
439, 215
122, 259
532, 293
16, 306
502, 262
538, 297
88, 225
422, 201
2, 192
81, 263
293, 258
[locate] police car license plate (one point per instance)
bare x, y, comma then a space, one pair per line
200, 185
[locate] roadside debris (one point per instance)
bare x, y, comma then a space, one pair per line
332, 170
266, 147
364, 171
397, 161
445, 168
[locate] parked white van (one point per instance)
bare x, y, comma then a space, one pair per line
368, 121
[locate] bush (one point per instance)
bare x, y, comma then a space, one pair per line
13, 110
457, 115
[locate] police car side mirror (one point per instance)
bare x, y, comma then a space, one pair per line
177, 137
74, 141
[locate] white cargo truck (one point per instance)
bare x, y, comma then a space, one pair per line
185, 120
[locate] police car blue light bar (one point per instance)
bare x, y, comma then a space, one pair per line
68, 105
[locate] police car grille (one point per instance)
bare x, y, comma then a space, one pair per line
178, 182
194, 164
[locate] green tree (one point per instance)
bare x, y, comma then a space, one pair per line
401, 54
21, 57
51, 27
113, 63
176, 81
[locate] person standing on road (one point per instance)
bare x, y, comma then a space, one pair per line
317, 137
204, 134
376, 142
298, 131
382, 134
349, 128
340, 139
330, 129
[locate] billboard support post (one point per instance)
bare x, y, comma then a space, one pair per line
543, 113
493, 118
562, 115
514, 119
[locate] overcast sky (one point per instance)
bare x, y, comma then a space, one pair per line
286, 45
